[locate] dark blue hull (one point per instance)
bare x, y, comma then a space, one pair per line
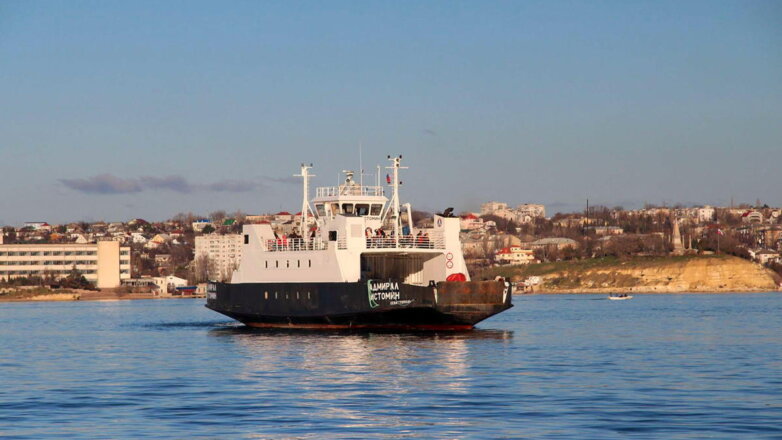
367, 304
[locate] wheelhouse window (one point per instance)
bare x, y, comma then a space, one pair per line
347, 208
320, 209
376, 209
362, 209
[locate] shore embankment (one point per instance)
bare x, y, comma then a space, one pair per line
22, 294
675, 274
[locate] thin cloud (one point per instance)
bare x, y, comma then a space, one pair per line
233, 186
107, 184
174, 183
103, 184
430, 132
286, 180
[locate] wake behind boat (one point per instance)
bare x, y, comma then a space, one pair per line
357, 265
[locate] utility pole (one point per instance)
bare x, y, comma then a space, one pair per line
587, 219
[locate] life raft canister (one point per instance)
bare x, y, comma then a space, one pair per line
456, 277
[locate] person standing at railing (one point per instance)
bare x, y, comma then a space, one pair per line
426, 239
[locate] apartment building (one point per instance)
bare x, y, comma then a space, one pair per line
104, 263
224, 252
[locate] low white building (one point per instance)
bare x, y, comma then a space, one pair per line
471, 222
705, 214
199, 225
168, 283
514, 255
553, 242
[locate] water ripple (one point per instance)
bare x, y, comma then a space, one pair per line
552, 367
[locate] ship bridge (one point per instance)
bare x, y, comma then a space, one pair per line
351, 199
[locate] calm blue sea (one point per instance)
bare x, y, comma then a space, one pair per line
558, 366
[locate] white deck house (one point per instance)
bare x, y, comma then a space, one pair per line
345, 244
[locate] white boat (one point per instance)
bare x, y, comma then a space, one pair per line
342, 270
619, 297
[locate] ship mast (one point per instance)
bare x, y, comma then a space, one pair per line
395, 165
305, 204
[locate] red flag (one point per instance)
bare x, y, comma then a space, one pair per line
388, 179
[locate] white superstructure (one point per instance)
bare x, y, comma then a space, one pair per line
358, 234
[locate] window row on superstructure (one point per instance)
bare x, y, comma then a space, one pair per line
359, 209
287, 264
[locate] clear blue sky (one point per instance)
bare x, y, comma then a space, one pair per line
114, 110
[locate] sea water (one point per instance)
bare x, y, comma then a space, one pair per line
554, 366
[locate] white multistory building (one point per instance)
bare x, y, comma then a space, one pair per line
223, 253
492, 207
104, 263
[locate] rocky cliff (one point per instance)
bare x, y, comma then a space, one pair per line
671, 275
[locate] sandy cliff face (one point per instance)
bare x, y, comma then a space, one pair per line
728, 274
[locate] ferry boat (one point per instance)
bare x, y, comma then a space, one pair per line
357, 261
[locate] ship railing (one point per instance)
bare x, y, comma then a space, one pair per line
342, 243
349, 190
295, 244
406, 242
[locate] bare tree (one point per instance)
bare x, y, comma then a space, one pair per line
201, 268
217, 217
239, 216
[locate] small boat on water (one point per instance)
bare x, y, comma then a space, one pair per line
358, 261
619, 296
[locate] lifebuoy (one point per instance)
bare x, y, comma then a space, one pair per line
368, 232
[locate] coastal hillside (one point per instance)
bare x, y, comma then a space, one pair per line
711, 273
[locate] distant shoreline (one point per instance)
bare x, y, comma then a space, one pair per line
642, 291
87, 296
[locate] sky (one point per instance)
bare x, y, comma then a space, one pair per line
117, 110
